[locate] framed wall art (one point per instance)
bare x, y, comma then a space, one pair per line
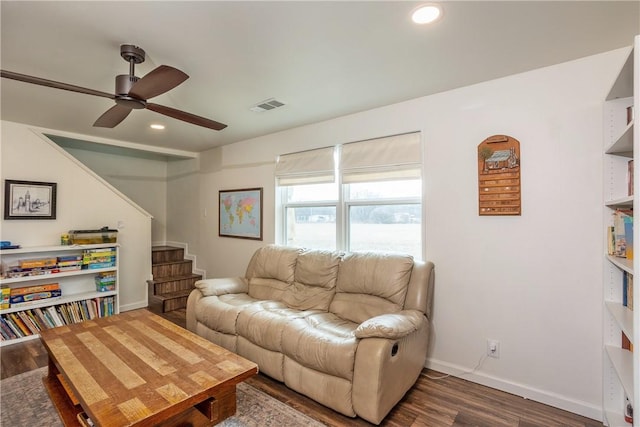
499, 176
29, 200
240, 213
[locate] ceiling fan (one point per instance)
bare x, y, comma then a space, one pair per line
131, 92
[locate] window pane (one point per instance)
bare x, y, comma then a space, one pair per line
311, 227
385, 189
386, 228
312, 193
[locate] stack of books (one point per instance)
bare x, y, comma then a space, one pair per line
30, 295
30, 267
98, 258
106, 281
69, 263
31, 321
40, 266
620, 236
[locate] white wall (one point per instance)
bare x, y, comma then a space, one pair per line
84, 201
532, 282
142, 180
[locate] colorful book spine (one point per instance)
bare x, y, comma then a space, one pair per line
36, 296
35, 289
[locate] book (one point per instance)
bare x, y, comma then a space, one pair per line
628, 236
37, 263
9, 321
20, 324
54, 316
17, 300
611, 241
629, 303
620, 241
630, 178
5, 293
35, 289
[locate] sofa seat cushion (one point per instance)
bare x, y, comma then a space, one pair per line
371, 284
263, 323
220, 313
323, 342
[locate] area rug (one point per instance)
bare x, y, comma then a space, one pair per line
24, 402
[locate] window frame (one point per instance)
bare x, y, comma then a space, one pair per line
343, 204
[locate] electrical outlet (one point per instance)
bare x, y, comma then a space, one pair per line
493, 348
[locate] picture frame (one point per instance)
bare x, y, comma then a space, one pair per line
240, 213
29, 199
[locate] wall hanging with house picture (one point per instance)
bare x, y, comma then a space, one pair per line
240, 213
499, 176
29, 199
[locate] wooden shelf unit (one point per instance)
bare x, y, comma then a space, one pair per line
77, 285
621, 367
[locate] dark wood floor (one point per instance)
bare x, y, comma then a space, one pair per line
430, 403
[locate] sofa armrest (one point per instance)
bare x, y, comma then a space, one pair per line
391, 326
228, 285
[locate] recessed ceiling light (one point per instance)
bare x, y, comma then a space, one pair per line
427, 13
157, 126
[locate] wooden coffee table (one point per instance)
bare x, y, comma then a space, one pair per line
138, 369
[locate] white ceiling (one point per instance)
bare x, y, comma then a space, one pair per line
322, 59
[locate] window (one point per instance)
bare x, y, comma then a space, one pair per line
359, 196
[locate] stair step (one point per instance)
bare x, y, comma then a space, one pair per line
172, 268
173, 284
161, 254
172, 278
169, 301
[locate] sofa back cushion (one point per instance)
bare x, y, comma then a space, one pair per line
314, 281
370, 284
271, 271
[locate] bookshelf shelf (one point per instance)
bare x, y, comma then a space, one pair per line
63, 300
622, 361
79, 300
622, 315
622, 263
623, 146
621, 140
55, 276
621, 203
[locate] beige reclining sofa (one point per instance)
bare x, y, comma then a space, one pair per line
347, 330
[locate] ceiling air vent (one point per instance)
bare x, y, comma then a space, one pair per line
266, 105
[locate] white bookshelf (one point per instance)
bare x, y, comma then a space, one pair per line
77, 285
621, 367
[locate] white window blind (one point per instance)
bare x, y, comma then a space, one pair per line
391, 158
306, 167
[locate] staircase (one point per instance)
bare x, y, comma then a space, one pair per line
173, 279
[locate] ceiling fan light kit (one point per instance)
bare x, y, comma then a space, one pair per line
131, 92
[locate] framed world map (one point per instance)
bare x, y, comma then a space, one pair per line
241, 213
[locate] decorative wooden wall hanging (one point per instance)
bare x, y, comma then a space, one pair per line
499, 176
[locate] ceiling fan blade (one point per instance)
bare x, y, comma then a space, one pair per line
112, 116
186, 117
53, 84
158, 81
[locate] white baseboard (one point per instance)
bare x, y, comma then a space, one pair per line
189, 256
134, 306
548, 398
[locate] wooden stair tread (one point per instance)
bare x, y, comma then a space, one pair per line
164, 248
172, 295
180, 261
176, 278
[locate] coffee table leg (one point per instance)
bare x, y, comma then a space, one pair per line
66, 409
220, 407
